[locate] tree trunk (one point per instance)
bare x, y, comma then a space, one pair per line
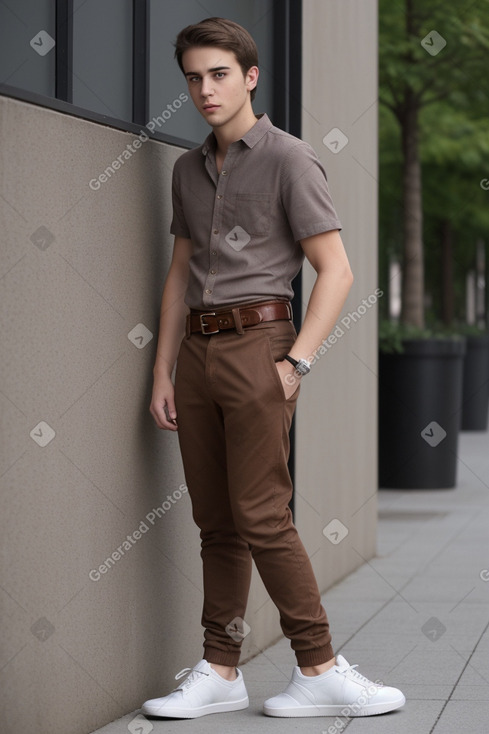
481, 289
447, 290
412, 312
413, 266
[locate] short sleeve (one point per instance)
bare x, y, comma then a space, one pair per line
305, 193
178, 226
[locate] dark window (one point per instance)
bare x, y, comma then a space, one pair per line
167, 81
27, 34
112, 61
102, 56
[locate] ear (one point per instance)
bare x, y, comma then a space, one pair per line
252, 77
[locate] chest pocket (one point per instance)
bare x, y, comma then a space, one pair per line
252, 212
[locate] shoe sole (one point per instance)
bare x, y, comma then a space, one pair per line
334, 710
211, 708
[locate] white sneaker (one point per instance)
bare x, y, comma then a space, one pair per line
340, 691
203, 692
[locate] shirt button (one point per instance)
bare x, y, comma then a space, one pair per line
223, 173
208, 291
219, 196
213, 272
213, 252
216, 231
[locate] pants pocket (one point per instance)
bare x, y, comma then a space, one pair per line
277, 346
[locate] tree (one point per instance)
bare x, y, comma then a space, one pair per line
429, 52
454, 152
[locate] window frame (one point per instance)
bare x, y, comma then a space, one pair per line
287, 42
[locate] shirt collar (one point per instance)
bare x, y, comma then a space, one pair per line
251, 138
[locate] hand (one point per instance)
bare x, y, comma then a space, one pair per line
288, 377
162, 406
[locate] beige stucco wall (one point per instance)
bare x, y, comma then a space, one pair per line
336, 445
79, 652
80, 270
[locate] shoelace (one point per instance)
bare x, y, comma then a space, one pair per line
350, 670
190, 680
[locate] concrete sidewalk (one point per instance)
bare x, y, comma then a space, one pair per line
415, 617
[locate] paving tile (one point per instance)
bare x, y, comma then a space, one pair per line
464, 716
238, 722
416, 716
393, 667
483, 644
373, 584
476, 673
467, 587
463, 623
471, 693
349, 617
425, 691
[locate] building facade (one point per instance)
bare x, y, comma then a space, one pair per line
101, 578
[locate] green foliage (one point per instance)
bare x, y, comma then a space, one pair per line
451, 91
471, 330
393, 335
405, 66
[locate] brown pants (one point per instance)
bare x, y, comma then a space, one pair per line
233, 428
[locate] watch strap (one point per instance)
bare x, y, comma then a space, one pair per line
292, 361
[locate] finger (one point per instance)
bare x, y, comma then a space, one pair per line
170, 410
161, 419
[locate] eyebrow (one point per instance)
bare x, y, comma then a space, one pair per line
215, 68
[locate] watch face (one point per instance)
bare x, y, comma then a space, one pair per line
303, 367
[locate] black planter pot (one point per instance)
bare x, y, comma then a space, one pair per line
476, 384
420, 397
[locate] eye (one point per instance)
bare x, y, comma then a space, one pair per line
192, 78
220, 74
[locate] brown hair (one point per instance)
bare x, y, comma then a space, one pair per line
223, 33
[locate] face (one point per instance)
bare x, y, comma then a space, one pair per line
216, 83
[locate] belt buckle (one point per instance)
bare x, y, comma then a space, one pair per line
203, 325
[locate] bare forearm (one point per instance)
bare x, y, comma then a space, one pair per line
172, 324
325, 303
171, 331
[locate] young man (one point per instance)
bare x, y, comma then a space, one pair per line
248, 205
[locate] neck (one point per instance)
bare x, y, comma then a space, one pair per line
234, 129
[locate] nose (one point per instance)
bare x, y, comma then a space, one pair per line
206, 87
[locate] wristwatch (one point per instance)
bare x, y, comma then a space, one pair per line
302, 366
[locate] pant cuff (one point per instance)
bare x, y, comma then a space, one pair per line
220, 657
316, 656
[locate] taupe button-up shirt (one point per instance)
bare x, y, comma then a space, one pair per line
246, 223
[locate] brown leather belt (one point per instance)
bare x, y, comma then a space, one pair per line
212, 322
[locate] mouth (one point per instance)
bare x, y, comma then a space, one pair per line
210, 107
